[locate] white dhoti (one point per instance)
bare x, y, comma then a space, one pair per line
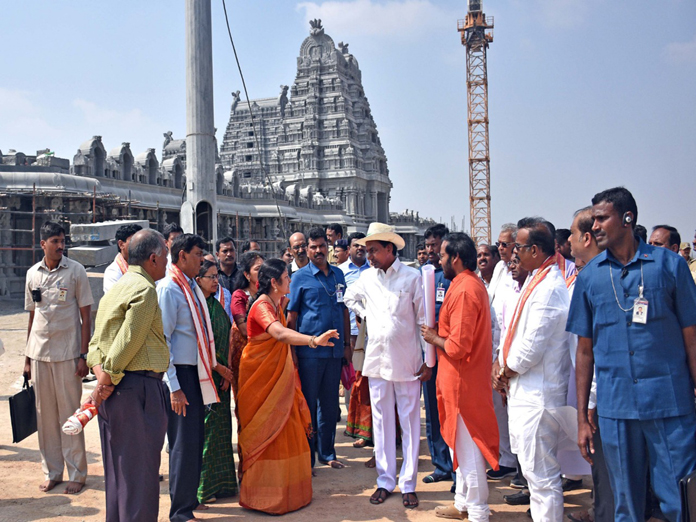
507, 458
536, 435
386, 398
570, 459
471, 492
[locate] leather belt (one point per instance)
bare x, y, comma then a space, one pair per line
148, 373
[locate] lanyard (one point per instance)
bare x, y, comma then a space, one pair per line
640, 288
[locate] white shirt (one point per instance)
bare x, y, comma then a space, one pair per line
111, 275
500, 280
573, 342
540, 352
498, 289
393, 304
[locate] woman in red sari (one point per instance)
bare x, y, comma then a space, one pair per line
245, 289
275, 469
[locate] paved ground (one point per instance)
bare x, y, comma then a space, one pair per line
338, 494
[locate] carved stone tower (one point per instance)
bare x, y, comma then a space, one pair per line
322, 142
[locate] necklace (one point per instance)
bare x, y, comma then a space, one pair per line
335, 284
272, 301
640, 288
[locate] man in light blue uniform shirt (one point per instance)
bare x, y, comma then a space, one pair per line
316, 305
186, 410
356, 264
634, 310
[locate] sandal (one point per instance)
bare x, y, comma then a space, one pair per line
379, 496
407, 499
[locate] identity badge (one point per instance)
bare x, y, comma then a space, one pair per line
62, 294
339, 293
440, 294
640, 310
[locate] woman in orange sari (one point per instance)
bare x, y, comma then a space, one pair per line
275, 471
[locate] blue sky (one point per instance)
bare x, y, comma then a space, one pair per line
584, 94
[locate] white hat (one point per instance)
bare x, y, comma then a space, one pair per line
381, 232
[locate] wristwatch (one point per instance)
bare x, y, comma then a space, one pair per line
83, 356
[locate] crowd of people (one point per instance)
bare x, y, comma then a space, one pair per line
560, 352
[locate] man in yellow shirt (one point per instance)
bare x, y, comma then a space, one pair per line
129, 355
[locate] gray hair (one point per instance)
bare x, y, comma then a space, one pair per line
143, 244
509, 227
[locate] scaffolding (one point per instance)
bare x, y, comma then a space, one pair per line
476, 34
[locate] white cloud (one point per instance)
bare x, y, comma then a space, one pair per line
23, 126
117, 126
681, 52
371, 18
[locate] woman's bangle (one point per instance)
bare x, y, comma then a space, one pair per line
312, 342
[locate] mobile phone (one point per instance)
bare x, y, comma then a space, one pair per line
36, 295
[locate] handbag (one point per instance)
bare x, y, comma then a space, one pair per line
687, 490
359, 350
23, 412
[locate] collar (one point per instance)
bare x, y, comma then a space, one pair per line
394, 268
533, 272
141, 271
315, 269
644, 252
353, 265
63, 263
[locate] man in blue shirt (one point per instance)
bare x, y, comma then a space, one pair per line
316, 305
186, 405
439, 452
634, 310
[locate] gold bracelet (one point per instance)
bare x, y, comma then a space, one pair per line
312, 342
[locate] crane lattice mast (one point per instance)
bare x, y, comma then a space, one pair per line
477, 32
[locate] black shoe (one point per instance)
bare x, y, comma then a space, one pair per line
570, 485
161, 478
518, 483
529, 512
436, 477
502, 473
517, 499
453, 489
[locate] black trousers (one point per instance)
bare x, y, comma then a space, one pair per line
186, 437
132, 424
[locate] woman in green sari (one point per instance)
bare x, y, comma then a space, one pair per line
218, 478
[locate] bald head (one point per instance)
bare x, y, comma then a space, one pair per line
298, 245
148, 249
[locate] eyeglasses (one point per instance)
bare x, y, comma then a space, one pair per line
214, 277
520, 247
303, 246
503, 244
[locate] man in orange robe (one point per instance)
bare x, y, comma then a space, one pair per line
464, 390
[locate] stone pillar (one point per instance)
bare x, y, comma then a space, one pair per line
373, 197
199, 211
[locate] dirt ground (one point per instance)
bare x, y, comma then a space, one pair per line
338, 494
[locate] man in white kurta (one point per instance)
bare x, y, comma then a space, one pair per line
498, 291
390, 296
535, 367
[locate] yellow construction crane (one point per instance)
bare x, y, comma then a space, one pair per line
477, 32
